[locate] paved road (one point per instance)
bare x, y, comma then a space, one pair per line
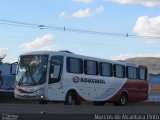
34, 108
60, 111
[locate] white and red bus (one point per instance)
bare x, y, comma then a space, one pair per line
71, 78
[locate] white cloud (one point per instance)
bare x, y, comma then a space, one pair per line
62, 14
3, 52
99, 9
127, 55
152, 41
38, 43
48, 48
146, 26
83, 1
82, 13
11, 60
87, 12
149, 3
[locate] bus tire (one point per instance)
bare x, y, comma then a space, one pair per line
1, 82
43, 102
99, 103
70, 100
122, 101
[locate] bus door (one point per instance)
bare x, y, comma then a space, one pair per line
54, 83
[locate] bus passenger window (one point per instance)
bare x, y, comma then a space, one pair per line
74, 65
106, 69
142, 74
119, 71
131, 72
91, 67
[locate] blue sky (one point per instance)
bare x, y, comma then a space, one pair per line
135, 17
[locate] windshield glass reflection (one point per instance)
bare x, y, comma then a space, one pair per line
32, 70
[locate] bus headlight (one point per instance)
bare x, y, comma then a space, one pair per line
41, 97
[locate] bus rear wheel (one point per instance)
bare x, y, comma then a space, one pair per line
122, 101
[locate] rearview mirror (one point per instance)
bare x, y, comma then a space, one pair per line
13, 68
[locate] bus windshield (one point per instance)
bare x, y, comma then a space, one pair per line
32, 70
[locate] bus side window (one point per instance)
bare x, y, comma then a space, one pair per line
56, 64
105, 69
131, 72
142, 74
55, 70
119, 71
74, 65
91, 67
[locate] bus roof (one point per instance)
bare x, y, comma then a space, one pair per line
70, 54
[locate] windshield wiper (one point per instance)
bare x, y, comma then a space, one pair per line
32, 79
21, 79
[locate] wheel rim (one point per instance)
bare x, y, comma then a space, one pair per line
70, 100
123, 100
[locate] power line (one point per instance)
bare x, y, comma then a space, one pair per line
50, 27
122, 46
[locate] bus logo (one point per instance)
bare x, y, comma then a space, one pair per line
76, 79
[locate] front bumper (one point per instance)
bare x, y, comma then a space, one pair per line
34, 95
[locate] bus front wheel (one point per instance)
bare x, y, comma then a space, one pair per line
70, 100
